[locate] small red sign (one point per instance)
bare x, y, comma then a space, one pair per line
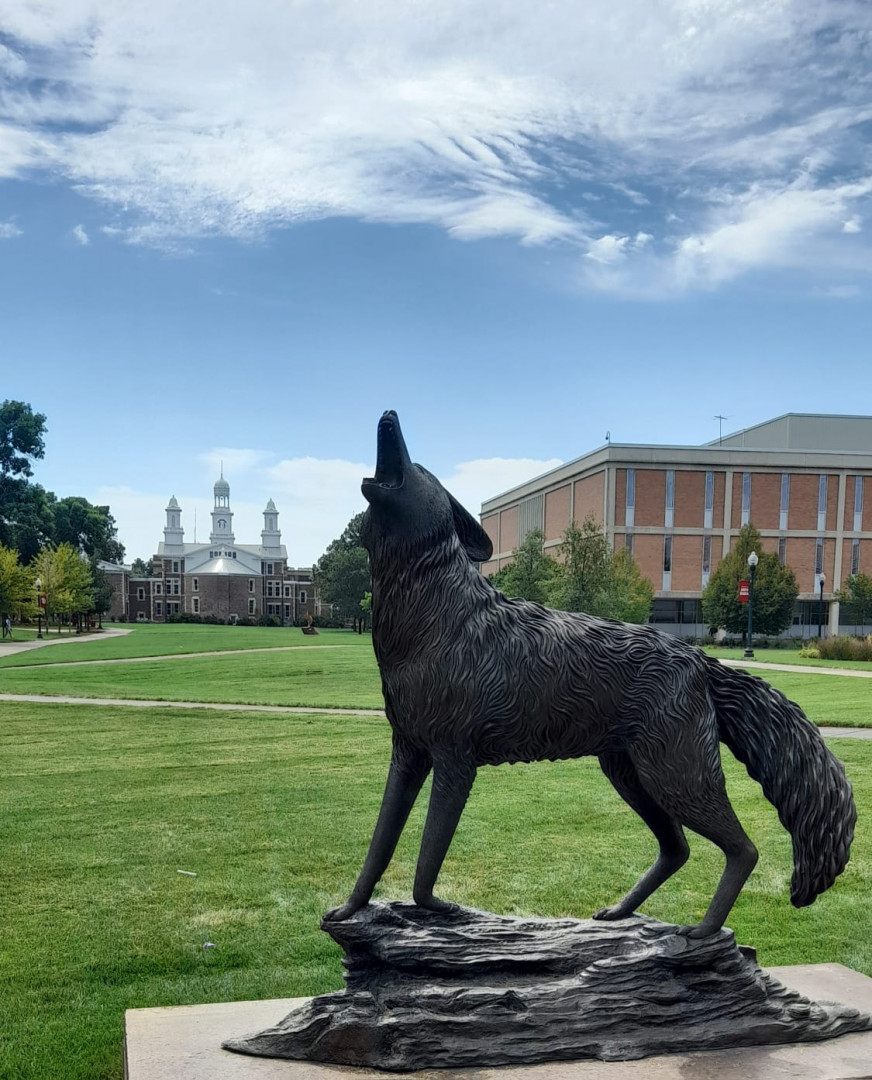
744, 591
42, 599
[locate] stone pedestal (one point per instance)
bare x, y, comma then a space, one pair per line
471, 989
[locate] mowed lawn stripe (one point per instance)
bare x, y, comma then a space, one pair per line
327, 678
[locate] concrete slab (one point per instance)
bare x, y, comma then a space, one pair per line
184, 1043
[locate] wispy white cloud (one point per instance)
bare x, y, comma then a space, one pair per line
472, 482
81, 235
730, 135
9, 230
234, 460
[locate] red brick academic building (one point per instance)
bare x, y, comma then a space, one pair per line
803, 480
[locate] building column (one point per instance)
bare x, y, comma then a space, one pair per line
833, 622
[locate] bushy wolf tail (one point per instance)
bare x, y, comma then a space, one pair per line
785, 753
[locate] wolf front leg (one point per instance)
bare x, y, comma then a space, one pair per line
452, 782
406, 775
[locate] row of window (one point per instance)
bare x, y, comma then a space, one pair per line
782, 558
669, 515
222, 554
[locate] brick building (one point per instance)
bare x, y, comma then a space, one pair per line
220, 577
803, 480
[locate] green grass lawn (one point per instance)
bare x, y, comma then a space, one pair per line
345, 677
787, 656
99, 809
175, 639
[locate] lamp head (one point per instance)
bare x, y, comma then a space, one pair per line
38, 584
822, 578
753, 559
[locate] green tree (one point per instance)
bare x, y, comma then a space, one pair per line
26, 519
342, 574
102, 591
858, 595
775, 590
90, 529
531, 574
21, 438
629, 596
585, 569
141, 568
598, 581
17, 596
66, 581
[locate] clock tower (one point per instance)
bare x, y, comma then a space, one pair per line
222, 515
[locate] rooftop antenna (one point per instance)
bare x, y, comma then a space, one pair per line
195, 524
608, 437
720, 419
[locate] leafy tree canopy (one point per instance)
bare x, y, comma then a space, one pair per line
90, 529
857, 593
66, 580
531, 575
141, 568
775, 590
17, 595
21, 438
342, 572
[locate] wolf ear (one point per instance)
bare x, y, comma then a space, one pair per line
473, 537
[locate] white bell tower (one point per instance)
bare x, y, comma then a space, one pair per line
271, 537
174, 534
222, 515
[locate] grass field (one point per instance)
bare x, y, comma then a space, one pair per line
99, 809
170, 639
787, 656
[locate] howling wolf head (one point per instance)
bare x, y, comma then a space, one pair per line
409, 510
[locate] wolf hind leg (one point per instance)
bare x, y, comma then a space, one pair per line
689, 784
674, 849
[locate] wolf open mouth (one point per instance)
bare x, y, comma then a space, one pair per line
392, 456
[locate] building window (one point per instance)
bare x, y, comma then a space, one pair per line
855, 556
706, 560
531, 515
822, 502
303, 597
670, 498
195, 584
818, 562
158, 588
175, 566
195, 605
269, 567
287, 590
667, 563
140, 593
158, 608
782, 550
287, 611
746, 498
858, 503
630, 519
175, 586
709, 499
269, 588
251, 584
785, 500
251, 606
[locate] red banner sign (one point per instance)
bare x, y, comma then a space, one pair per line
744, 591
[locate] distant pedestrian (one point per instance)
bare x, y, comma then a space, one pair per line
7, 626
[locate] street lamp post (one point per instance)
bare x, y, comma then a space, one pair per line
38, 586
822, 579
752, 566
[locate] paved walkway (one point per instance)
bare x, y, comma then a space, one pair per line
12, 648
801, 669
59, 699
178, 656
63, 699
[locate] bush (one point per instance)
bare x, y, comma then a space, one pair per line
808, 652
845, 648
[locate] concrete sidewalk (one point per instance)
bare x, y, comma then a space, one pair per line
801, 669
12, 648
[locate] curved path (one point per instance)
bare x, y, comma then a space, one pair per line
220, 706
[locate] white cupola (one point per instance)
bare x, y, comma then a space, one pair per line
222, 515
174, 534
271, 537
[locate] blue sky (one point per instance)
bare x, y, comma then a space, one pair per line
240, 232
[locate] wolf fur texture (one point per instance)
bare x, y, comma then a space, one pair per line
473, 678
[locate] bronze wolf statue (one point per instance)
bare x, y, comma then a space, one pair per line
472, 678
